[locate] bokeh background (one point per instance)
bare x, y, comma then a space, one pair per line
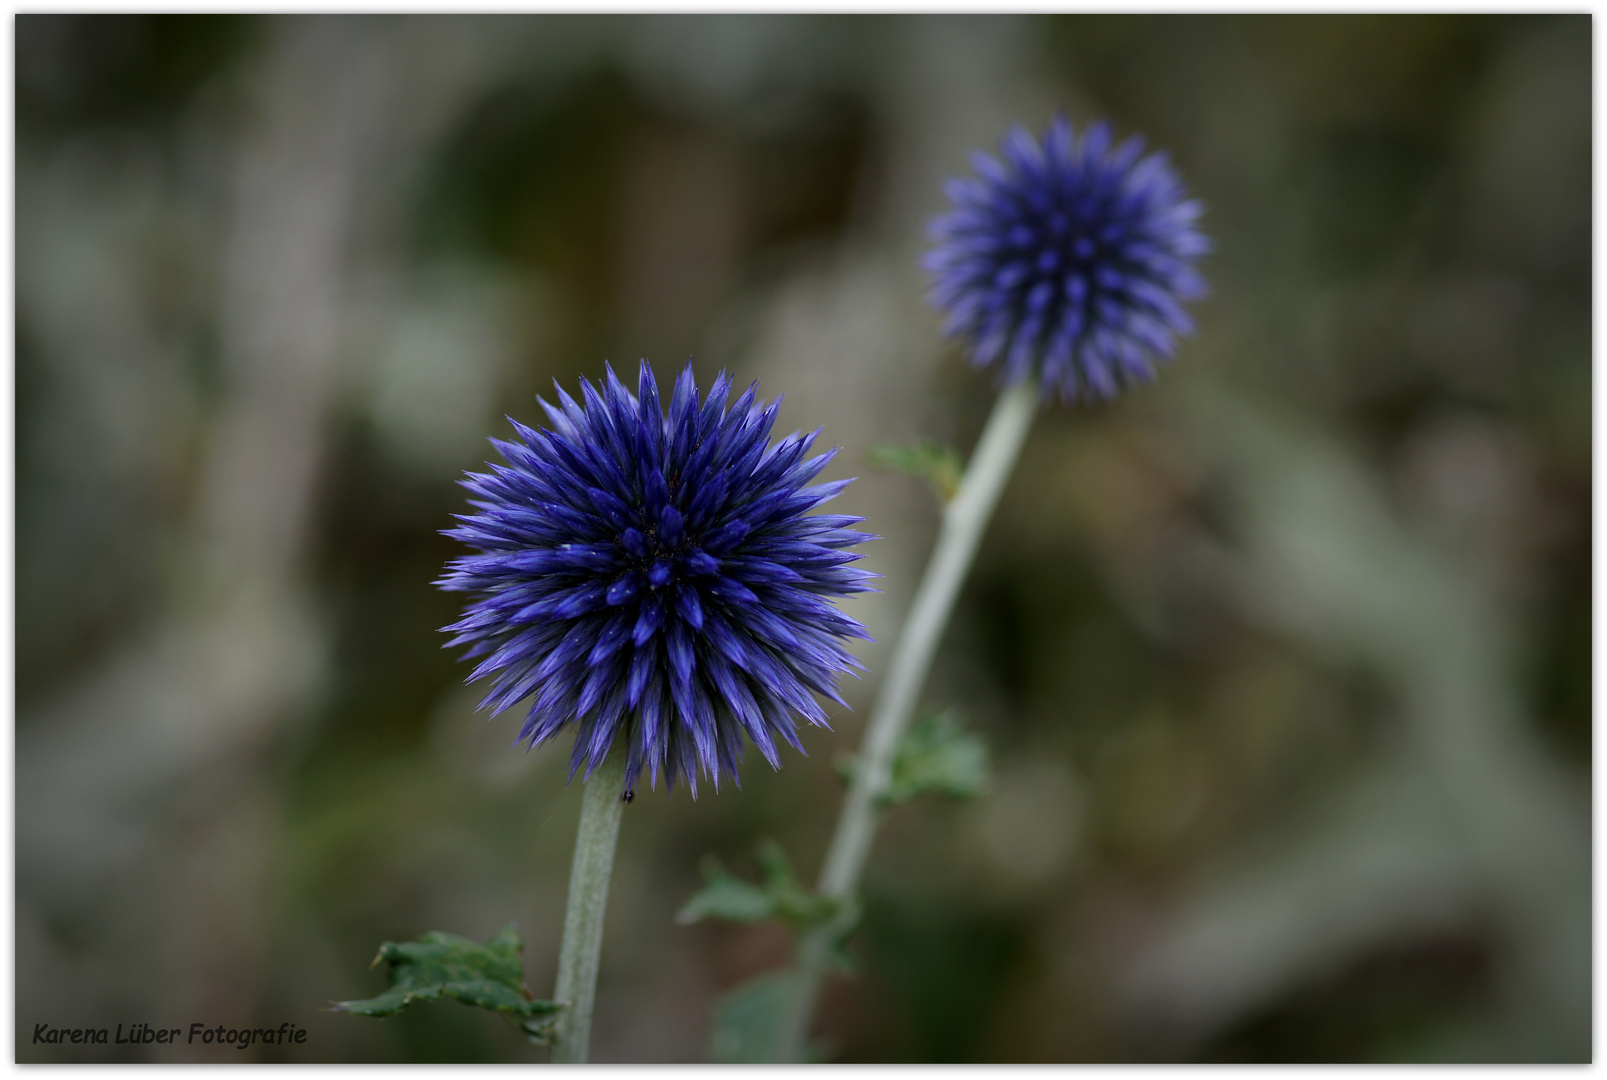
1284, 661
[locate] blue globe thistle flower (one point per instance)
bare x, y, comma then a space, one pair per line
1070, 260
657, 578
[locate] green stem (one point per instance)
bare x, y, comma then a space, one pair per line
600, 809
964, 519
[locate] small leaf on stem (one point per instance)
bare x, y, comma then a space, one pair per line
937, 756
490, 976
940, 465
725, 896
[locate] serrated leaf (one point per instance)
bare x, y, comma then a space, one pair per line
939, 465
490, 976
937, 756
725, 896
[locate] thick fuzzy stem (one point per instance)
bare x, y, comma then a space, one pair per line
600, 809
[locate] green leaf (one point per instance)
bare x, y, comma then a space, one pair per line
837, 953
937, 756
490, 976
940, 465
795, 906
748, 1019
725, 896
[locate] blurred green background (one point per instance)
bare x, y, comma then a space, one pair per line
1284, 661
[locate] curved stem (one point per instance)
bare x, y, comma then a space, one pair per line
600, 809
964, 520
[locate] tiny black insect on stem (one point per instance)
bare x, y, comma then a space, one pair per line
628, 796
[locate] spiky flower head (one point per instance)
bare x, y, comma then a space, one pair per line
1069, 260
657, 579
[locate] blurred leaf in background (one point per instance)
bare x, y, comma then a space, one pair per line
938, 465
779, 897
936, 756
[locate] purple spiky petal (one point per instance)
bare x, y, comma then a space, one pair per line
656, 577
1069, 261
